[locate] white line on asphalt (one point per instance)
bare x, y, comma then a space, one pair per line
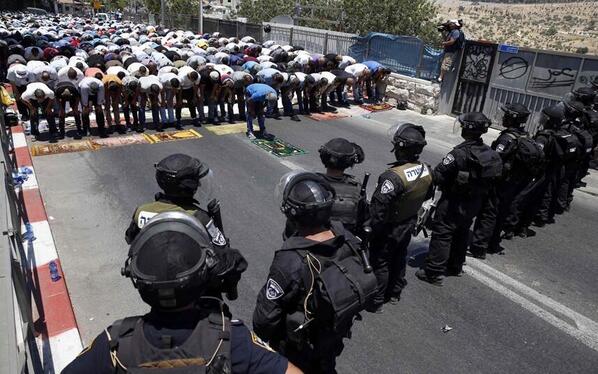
291, 165
586, 330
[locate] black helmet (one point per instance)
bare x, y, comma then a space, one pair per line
515, 114
339, 153
169, 261
573, 107
584, 94
307, 198
594, 82
552, 117
473, 124
407, 137
180, 175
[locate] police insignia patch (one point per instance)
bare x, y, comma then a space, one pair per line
216, 235
273, 290
448, 159
500, 148
387, 187
259, 342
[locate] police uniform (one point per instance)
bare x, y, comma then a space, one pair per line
400, 192
463, 193
165, 203
500, 210
572, 167
182, 337
283, 297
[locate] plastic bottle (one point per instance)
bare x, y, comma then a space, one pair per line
54, 271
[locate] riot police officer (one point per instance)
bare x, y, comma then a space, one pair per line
557, 152
298, 311
400, 192
589, 121
350, 205
575, 170
522, 161
464, 176
180, 177
180, 333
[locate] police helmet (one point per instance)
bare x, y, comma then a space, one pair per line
407, 137
594, 82
514, 114
169, 261
339, 153
307, 198
472, 124
552, 117
181, 175
573, 107
584, 94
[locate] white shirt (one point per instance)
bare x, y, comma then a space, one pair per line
358, 70
346, 61
223, 69
134, 69
85, 92
63, 75
37, 73
19, 75
166, 78
187, 83
114, 70
29, 93
146, 82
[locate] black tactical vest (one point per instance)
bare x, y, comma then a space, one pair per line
206, 351
346, 204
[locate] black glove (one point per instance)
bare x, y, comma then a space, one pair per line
228, 269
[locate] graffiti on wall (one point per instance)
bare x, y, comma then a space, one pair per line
477, 62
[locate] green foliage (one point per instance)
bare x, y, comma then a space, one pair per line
582, 50
551, 31
398, 17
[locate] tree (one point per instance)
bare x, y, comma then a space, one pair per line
551, 31
399, 17
582, 50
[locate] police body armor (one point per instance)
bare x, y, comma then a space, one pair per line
206, 351
147, 211
585, 139
346, 203
416, 179
483, 167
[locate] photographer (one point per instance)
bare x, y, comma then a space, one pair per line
452, 44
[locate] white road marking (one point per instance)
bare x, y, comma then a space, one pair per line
585, 329
291, 165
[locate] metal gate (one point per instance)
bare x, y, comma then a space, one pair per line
474, 76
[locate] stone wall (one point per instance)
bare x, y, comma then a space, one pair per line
422, 96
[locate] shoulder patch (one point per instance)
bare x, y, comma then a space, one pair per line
387, 187
412, 173
259, 342
216, 235
500, 148
273, 290
448, 159
144, 218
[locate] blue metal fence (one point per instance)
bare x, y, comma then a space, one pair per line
405, 55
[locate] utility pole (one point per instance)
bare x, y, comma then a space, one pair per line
201, 17
162, 9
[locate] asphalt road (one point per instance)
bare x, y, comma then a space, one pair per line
529, 311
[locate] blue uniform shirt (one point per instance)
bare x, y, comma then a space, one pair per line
257, 92
373, 65
249, 354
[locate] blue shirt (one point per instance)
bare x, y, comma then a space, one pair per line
248, 66
257, 92
373, 65
265, 75
456, 35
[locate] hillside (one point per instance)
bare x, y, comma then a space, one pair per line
563, 26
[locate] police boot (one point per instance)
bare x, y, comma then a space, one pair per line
435, 280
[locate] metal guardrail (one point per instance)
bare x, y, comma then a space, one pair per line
313, 40
18, 348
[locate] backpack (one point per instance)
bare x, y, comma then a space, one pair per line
341, 288
206, 351
568, 144
461, 40
585, 139
528, 156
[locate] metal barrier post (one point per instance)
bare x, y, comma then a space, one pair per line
291, 36
325, 49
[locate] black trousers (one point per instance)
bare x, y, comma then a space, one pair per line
188, 97
130, 107
61, 120
450, 231
527, 203
240, 98
547, 206
568, 182
498, 215
388, 254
